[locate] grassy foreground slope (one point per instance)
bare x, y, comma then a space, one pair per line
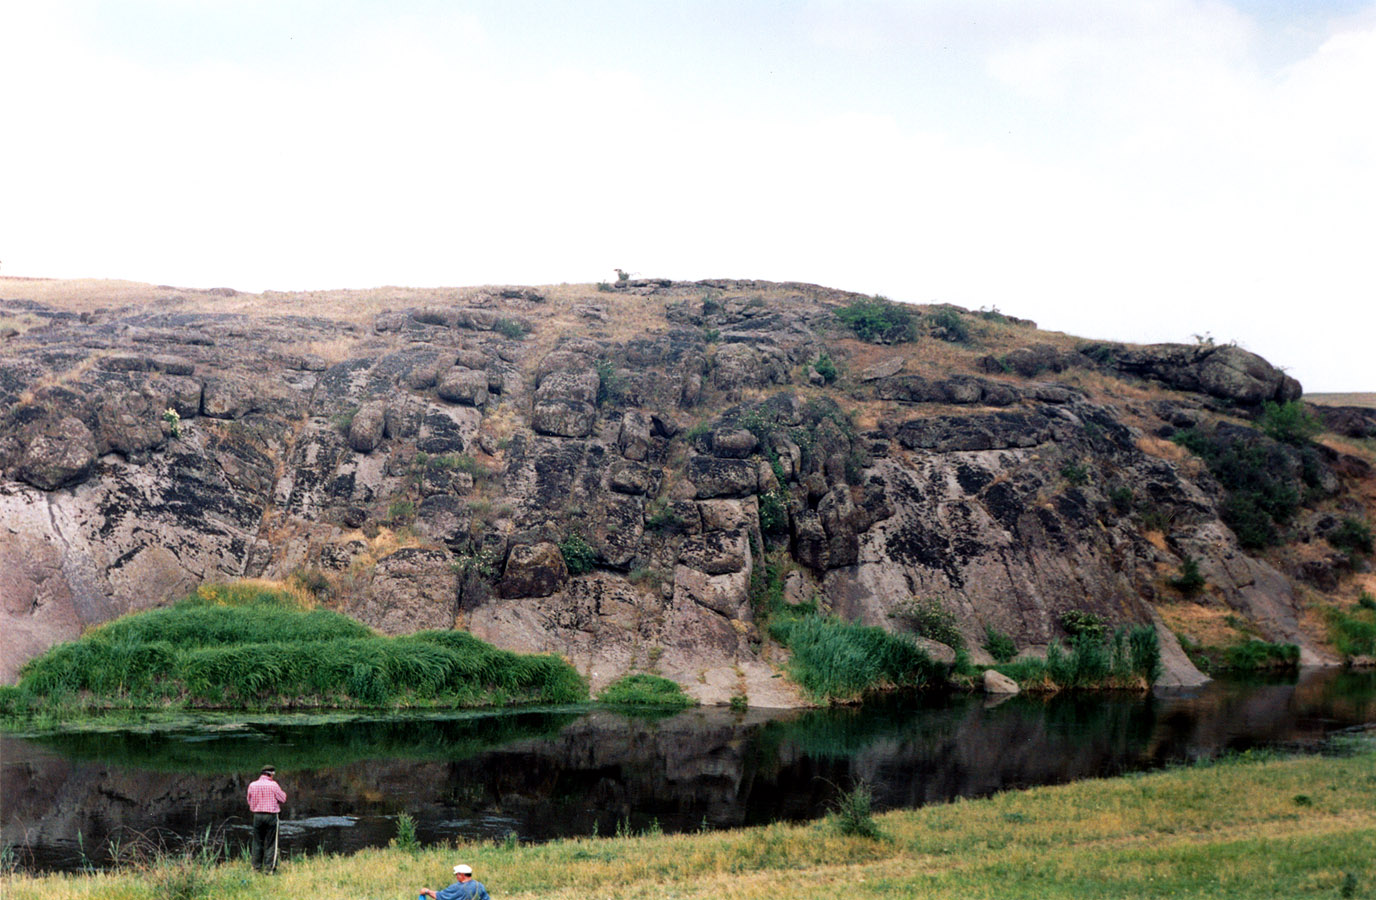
1243, 829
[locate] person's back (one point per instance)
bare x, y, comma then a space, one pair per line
463, 888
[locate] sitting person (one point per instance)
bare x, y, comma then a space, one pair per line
463, 888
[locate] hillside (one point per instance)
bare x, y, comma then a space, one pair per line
612, 472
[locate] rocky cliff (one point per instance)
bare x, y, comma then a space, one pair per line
600, 472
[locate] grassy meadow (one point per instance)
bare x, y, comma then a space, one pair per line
1240, 828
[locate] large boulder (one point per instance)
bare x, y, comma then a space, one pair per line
50, 450
722, 477
1227, 372
533, 570
466, 386
412, 590
366, 429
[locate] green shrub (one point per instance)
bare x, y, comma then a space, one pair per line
1077, 622
344, 421
999, 645
579, 556
931, 620
826, 368
773, 512
710, 305
1190, 582
1256, 654
1354, 633
645, 690
611, 386
1075, 473
948, 325
711, 335
853, 812
1290, 422
660, 516
767, 586
406, 839
1122, 499
401, 512
1353, 535
1260, 493
515, 329
879, 320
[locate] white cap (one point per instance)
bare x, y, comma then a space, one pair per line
461, 869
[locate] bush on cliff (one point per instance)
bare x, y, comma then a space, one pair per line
1259, 477
249, 646
879, 320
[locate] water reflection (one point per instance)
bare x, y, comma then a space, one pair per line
544, 774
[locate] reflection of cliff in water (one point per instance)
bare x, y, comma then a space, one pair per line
544, 775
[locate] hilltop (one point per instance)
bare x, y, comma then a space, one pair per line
619, 473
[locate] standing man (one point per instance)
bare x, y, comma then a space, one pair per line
265, 799
463, 888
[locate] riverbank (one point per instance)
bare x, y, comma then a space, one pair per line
1242, 828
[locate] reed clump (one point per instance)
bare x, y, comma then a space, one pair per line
841, 661
249, 646
1126, 659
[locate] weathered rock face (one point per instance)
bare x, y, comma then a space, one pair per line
430, 462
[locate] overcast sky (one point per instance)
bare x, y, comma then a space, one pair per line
1141, 171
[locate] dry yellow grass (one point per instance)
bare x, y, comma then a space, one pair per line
1363, 399
1213, 626
1161, 448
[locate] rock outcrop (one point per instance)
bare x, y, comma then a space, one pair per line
427, 460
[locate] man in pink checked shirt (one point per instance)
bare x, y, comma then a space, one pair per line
265, 799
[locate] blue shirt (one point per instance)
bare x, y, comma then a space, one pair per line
469, 890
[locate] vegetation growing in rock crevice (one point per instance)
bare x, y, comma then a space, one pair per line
579, 555
246, 646
1263, 479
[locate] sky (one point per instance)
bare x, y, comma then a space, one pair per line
1136, 170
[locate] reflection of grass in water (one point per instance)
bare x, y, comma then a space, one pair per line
297, 746
843, 732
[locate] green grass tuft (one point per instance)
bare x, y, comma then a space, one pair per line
645, 690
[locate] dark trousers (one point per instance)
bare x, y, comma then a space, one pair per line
264, 852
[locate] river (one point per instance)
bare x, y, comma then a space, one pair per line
79, 799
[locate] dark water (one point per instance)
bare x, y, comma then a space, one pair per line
69, 799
